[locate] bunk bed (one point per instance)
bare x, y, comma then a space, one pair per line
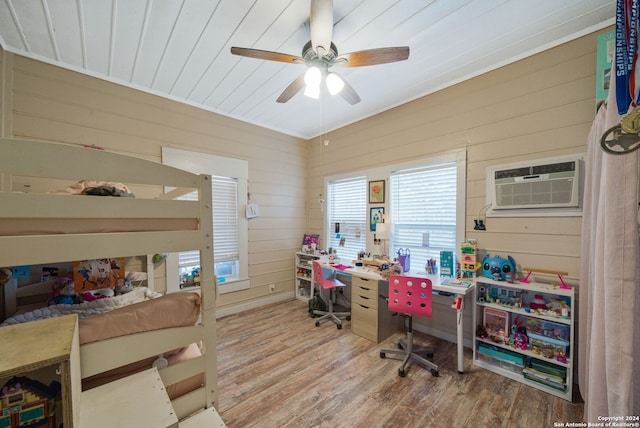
39, 228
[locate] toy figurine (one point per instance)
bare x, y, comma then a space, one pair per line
63, 292
538, 302
481, 332
562, 357
520, 339
497, 267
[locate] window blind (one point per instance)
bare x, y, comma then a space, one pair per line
347, 205
225, 223
423, 200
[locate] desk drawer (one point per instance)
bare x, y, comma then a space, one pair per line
364, 297
364, 322
365, 292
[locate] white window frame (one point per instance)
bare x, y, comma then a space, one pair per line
346, 230
384, 172
457, 159
204, 163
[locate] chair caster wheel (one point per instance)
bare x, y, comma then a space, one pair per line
317, 324
400, 345
339, 326
348, 317
435, 373
382, 355
402, 373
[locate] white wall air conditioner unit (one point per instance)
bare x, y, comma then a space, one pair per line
544, 185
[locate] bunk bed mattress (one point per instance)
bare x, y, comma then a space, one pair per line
171, 310
127, 314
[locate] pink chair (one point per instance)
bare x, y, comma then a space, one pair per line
328, 282
410, 296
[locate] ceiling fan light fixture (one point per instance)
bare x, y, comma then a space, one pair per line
313, 76
312, 79
334, 83
320, 54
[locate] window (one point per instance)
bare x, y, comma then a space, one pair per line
347, 206
225, 233
423, 200
425, 196
229, 194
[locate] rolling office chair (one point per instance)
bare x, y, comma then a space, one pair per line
328, 282
410, 296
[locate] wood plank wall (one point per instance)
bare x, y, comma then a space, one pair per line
51, 103
538, 107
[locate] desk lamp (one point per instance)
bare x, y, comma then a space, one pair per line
384, 232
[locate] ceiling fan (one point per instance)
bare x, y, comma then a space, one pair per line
320, 54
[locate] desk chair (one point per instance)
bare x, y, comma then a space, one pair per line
328, 282
410, 296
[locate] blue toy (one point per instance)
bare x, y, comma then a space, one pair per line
64, 292
498, 268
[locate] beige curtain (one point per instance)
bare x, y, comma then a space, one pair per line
609, 292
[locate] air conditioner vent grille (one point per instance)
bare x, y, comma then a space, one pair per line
537, 193
552, 183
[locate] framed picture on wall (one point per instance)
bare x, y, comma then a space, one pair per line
376, 192
375, 217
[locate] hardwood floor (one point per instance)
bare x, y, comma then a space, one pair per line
276, 369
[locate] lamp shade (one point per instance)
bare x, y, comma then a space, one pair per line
312, 79
334, 83
384, 230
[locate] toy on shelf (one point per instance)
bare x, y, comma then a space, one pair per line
538, 302
191, 279
529, 270
520, 338
26, 402
498, 268
469, 263
496, 324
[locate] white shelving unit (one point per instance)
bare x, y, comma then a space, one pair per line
541, 363
304, 274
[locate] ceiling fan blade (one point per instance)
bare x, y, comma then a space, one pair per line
268, 55
293, 88
373, 57
349, 94
321, 25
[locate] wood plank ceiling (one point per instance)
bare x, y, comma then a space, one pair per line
180, 49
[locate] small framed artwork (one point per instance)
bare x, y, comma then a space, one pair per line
376, 192
309, 239
375, 217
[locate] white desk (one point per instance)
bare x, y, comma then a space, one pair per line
457, 291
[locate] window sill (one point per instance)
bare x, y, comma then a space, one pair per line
235, 285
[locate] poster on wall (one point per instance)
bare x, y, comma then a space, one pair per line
604, 63
97, 274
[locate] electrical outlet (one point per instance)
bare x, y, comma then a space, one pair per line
272, 287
